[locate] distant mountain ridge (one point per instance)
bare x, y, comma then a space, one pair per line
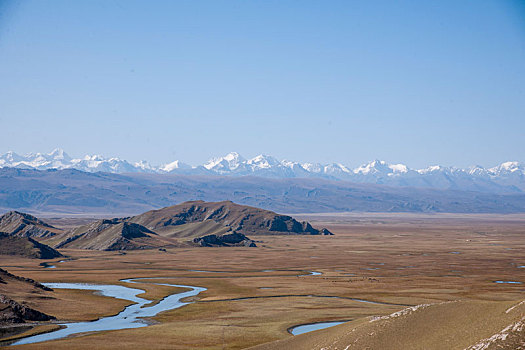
102, 194
508, 177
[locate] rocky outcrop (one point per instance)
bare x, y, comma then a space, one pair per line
14, 312
325, 232
284, 223
24, 225
26, 247
229, 239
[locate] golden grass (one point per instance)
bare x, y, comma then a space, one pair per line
392, 259
39, 329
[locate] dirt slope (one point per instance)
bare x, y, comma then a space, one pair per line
472, 325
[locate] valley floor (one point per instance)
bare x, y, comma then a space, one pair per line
450, 263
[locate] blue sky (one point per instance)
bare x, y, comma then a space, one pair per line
418, 82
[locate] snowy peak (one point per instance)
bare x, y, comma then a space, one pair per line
59, 154
380, 167
336, 168
55, 159
433, 169
399, 168
374, 167
99, 163
505, 177
145, 166
229, 162
174, 166
11, 157
263, 162
328, 169
508, 168
476, 170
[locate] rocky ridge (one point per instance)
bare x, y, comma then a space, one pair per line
238, 218
220, 224
25, 225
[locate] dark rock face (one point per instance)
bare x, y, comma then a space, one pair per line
325, 232
229, 239
14, 312
25, 246
131, 230
46, 252
126, 244
283, 223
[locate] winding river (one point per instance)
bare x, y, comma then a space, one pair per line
131, 317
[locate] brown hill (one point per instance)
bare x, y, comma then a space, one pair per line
11, 311
219, 218
6, 276
24, 225
118, 234
190, 223
114, 234
25, 246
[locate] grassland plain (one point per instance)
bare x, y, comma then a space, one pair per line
255, 295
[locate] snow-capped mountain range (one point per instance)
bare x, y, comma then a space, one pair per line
506, 177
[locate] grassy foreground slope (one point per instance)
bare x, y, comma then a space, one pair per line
448, 325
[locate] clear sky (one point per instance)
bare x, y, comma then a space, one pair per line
417, 82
